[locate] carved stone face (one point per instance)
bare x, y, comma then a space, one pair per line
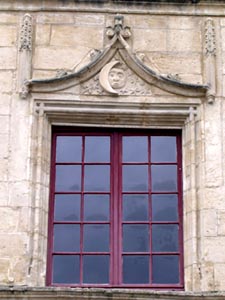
117, 78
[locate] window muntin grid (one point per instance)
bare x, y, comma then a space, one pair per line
133, 181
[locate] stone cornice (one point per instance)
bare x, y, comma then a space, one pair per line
177, 7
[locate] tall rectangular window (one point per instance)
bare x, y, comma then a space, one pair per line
116, 209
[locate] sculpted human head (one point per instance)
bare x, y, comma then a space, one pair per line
117, 78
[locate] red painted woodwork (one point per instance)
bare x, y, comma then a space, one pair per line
142, 234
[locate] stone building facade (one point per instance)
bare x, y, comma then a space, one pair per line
55, 59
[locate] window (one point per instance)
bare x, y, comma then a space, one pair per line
116, 209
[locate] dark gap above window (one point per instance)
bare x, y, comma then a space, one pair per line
142, 1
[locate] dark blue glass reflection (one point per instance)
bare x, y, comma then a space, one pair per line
96, 238
68, 149
97, 149
163, 149
96, 207
135, 238
135, 178
66, 237
96, 269
66, 269
135, 208
135, 149
164, 178
135, 269
165, 238
67, 207
165, 269
68, 178
164, 207
97, 178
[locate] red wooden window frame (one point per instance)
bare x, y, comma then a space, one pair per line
115, 221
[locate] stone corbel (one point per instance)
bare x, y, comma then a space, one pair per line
210, 59
25, 55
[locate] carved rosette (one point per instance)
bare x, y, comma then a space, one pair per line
26, 33
210, 38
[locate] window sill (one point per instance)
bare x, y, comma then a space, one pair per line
51, 293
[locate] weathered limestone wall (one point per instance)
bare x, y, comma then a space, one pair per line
168, 38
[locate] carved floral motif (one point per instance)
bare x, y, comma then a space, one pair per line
26, 33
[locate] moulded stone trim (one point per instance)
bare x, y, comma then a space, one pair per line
84, 113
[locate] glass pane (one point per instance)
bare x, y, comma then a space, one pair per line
66, 269
68, 148
164, 207
135, 149
68, 178
135, 238
97, 178
164, 178
135, 269
97, 149
96, 238
163, 149
135, 207
165, 269
165, 238
96, 268
67, 208
135, 178
66, 237
96, 207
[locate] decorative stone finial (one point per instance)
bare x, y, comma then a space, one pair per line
210, 38
118, 28
26, 33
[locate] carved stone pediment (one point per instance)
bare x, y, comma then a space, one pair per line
116, 71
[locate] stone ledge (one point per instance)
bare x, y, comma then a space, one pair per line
157, 7
51, 293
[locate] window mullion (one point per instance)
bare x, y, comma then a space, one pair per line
115, 209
